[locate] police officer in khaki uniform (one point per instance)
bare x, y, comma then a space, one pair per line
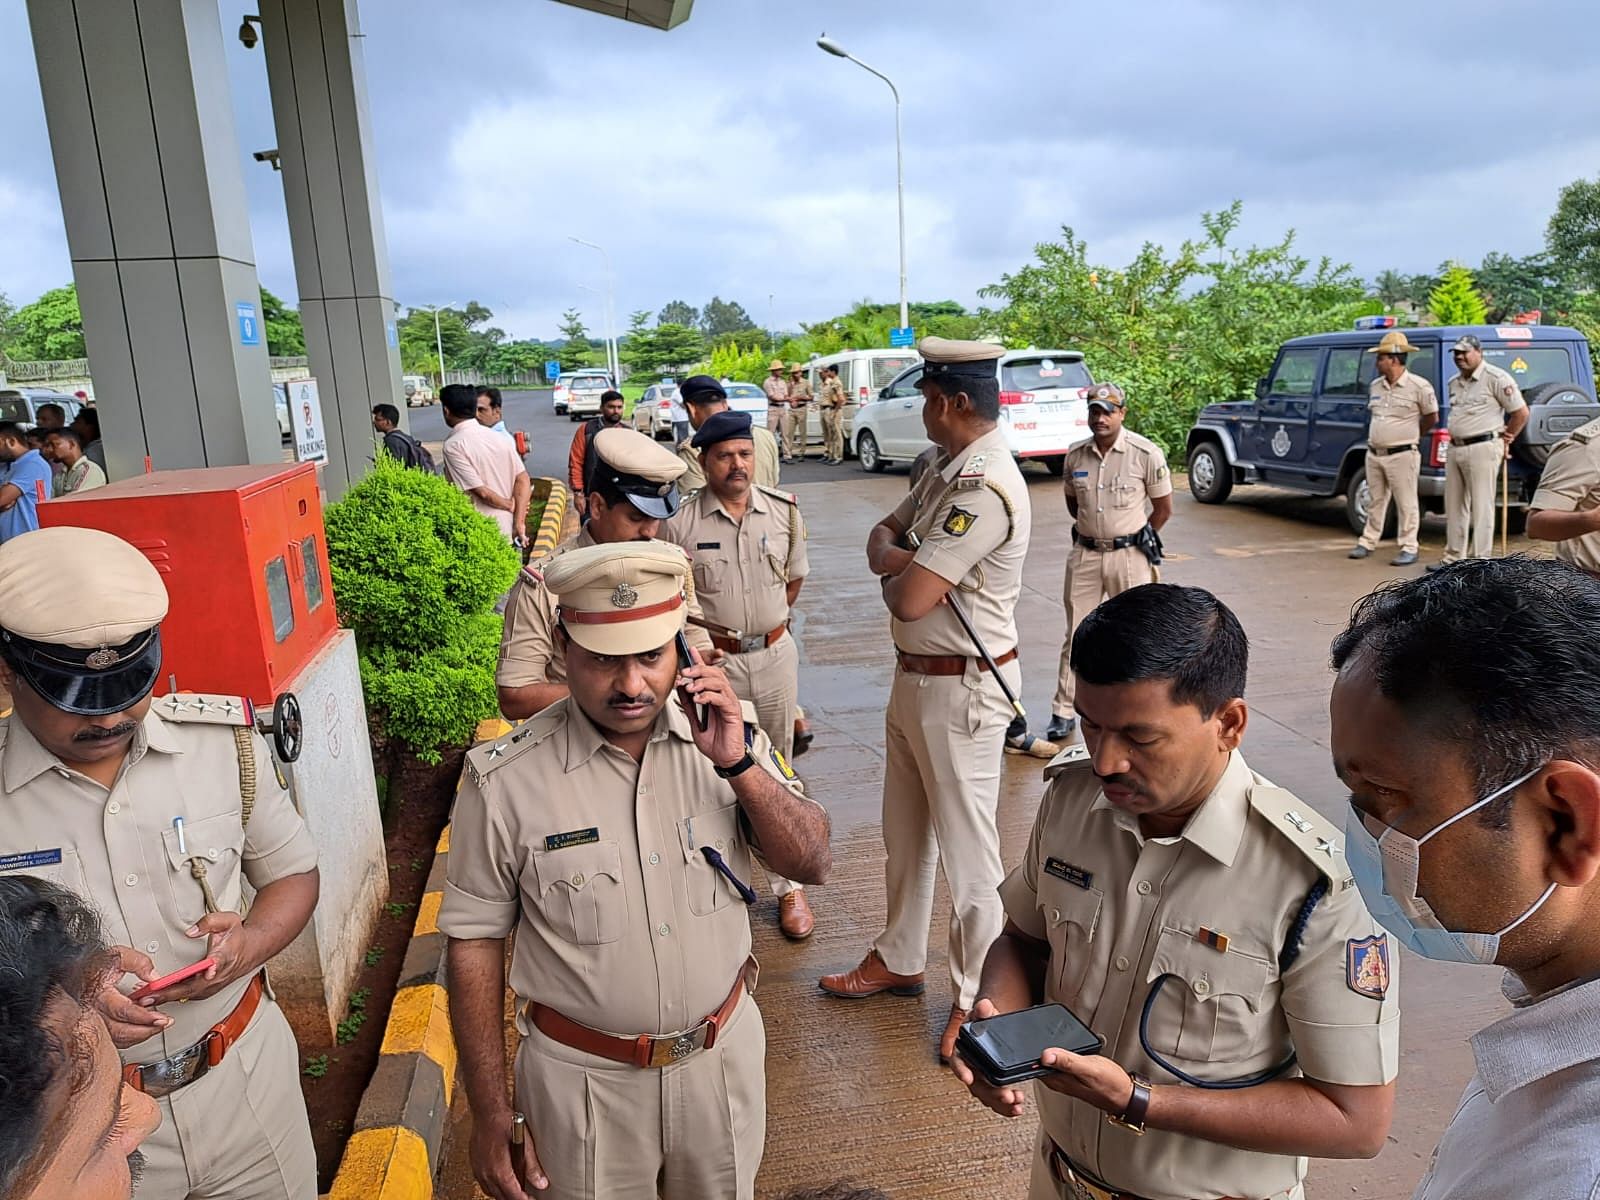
1113, 480
832, 405
613, 835
1199, 920
1403, 408
747, 545
1566, 507
777, 389
795, 421
704, 398
136, 804
1487, 412
946, 722
635, 489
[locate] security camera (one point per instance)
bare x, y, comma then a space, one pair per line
268, 156
247, 34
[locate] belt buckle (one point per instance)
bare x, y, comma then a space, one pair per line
752, 642
675, 1048
1105, 544
183, 1068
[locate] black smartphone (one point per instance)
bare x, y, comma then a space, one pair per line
702, 718
1006, 1049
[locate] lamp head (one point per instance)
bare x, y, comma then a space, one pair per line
832, 47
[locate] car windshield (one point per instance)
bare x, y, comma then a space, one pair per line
1042, 374
1531, 365
588, 383
747, 390
14, 408
885, 369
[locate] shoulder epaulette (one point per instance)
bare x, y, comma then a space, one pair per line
1586, 433
487, 757
777, 494
1073, 757
1310, 832
203, 709
972, 472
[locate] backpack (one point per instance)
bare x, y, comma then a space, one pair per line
415, 453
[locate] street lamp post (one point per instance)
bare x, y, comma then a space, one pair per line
612, 360
832, 47
438, 339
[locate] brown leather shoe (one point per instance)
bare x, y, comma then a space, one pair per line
794, 916
870, 978
803, 737
947, 1044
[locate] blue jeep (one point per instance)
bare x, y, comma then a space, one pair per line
1307, 427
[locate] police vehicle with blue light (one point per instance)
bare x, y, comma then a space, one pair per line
1307, 427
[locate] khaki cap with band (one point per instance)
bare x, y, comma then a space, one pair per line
621, 597
80, 612
968, 360
640, 468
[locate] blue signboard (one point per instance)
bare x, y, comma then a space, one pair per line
394, 337
552, 371
249, 324
903, 337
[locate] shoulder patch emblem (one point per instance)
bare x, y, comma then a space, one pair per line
779, 761
959, 521
1366, 966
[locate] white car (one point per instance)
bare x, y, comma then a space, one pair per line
1042, 411
561, 392
654, 413
747, 398
418, 391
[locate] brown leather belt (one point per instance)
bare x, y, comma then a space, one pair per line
749, 644
646, 1050
1383, 451
947, 664
183, 1068
1081, 1184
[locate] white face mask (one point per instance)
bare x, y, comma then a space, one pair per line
1386, 870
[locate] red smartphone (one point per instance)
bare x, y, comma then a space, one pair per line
178, 976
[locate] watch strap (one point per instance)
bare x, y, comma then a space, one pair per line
738, 768
1132, 1118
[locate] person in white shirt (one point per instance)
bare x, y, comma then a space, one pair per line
488, 409
1464, 724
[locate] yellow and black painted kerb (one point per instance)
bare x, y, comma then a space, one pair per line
394, 1151
555, 513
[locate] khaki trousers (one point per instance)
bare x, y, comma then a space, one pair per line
794, 431
609, 1131
1093, 576
1471, 480
770, 681
944, 737
1393, 475
1042, 1183
833, 433
240, 1132
775, 419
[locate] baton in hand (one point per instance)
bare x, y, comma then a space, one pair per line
913, 541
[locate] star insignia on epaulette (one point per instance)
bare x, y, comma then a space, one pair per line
230, 708
201, 705
1327, 847
496, 750
174, 705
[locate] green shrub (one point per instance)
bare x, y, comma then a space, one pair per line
416, 572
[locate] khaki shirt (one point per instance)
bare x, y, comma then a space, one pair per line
800, 392
777, 390
594, 861
1120, 911
742, 568
973, 516
1478, 404
833, 393
118, 848
1396, 409
528, 650
1111, 491
693, 479
1571, 483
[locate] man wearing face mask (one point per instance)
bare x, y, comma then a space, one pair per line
1464, 724
1201, 922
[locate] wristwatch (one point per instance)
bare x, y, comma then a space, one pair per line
738, 768
1132, 1117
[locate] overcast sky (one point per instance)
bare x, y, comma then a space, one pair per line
733, 157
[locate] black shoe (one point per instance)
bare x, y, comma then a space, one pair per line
1060, 728
1438, 566
1359, 552
1405, 558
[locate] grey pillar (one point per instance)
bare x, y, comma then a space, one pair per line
341, 260
141, 128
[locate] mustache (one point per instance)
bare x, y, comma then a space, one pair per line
1121, 781
622, 699
95, 733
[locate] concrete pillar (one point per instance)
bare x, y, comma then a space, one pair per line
317, 75
141, 129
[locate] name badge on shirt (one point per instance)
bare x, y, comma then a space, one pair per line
577, 837
1076, 876
30, 859
1080, 474
708, 545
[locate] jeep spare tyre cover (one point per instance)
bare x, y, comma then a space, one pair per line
1554, 410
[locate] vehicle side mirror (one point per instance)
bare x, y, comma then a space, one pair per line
1261, 388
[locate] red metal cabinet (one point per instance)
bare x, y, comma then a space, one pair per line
245, 559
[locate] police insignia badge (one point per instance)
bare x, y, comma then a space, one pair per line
782, 764
102, 658
959, 521
1366, 966
624, 597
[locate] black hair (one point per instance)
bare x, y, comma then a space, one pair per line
66, 434
493, 393
843, 1190
10, 429
1184, 635
607, 396
459, 399
91, 421
51, 407
36, 437
51, 948
982, 390
1496, 657
388, 412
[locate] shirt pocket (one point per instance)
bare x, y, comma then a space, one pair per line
211, 847
1071, 915
1125, 492
580, 892
1212, 1009
710, 573
709, 890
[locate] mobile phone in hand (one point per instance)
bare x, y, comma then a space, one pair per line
702, 718
178, 976
1005, 1049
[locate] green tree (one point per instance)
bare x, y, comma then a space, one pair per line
674, 347
1573, 235
678, 312
8, 324
1515, 285
1456, 301
572, 327
1394, 288
417, 344
285, 336
722, 318
50, 328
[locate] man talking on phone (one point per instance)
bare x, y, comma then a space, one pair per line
1202, 922
613, 834
137, 805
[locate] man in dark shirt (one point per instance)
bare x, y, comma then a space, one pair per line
405, 449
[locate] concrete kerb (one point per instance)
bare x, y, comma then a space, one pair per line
550, 525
